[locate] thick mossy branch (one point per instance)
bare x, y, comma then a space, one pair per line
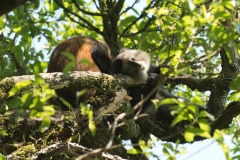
50, 143
75, 80
65, 125
5, 87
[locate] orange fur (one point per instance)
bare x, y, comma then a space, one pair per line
90, 55
84, 53
81, 48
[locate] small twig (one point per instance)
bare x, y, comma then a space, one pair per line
91, 26
128, 8
114, 127
87, 12
136, 20
99, 150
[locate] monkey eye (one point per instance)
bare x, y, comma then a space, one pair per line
133, 59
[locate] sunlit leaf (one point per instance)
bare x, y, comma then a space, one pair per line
177, 119
134, 151
27, 99
45, 124
2, 157
18, 86
49, 110
1, 22
218, 134
194, 109
206, 115
189, 136
197, 100
204, 125
3, 133
17, 29
169, 101
176, 59
92, 127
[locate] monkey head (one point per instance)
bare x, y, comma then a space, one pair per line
134, 63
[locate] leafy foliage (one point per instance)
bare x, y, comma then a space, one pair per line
184, 37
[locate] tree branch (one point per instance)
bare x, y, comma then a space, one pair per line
57, 80
87, 12
201, 85
142, 29
92, 27
63, 126
128, 8
123, 34
230, 70
231, 111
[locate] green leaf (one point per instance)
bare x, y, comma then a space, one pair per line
26, 99
134, 151
193, 108
86, 61
18, 86
177, 119
51, 6
92, 127
197, 100
66, 103
199, 132
135, 11
48, 110
168, 101
2, 157
218, 135
81, 92
69, 67
47, 32
3, 133
71, 64
205, 114
17, 29
48, 93
176, 59
1, 22
125, 22
189, 136
45, 124
204, 125
165, 151
235, 85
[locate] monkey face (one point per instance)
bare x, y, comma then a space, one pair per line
134, 63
